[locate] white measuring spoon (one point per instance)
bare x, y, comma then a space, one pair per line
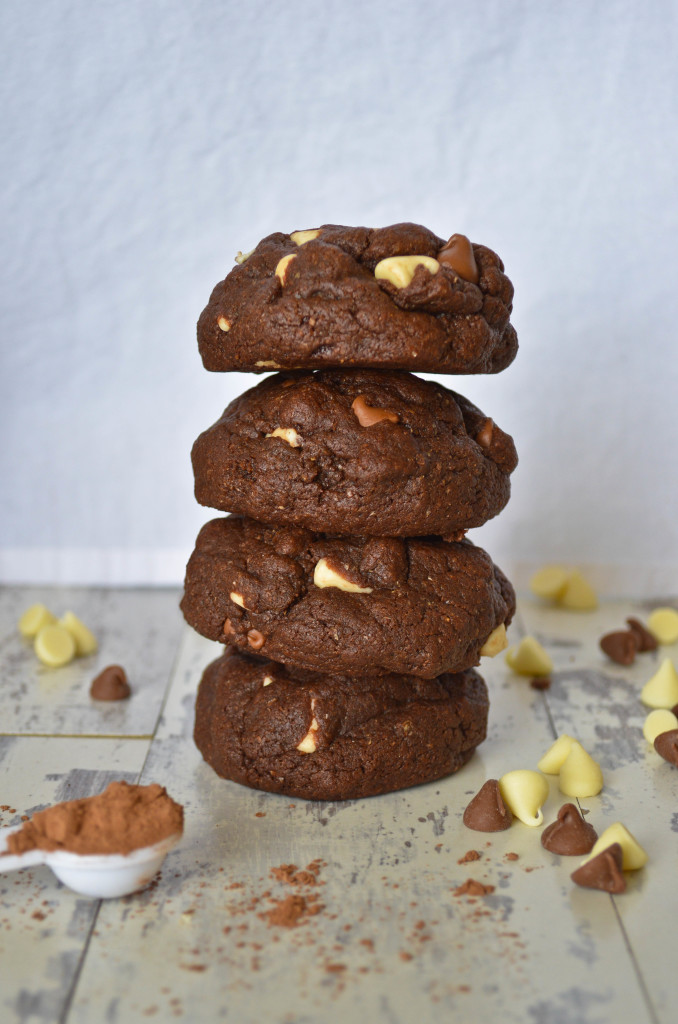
102, 875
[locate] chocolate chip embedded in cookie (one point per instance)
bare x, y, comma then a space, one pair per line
334, 737
398, 297
421, 606
373, 452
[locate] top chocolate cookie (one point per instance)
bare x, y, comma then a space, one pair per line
393, 298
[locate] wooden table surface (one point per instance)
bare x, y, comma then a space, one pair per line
382, 936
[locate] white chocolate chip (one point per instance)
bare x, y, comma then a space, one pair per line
399, 270
325, 576
224, 324
288, 434
299, 237
524, 792
268, 680
268, 362
283, 266
308, 745
237, 598
242, 257
497, 641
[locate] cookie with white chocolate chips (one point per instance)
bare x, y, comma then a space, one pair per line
370, 452
334, 737
398, 297
420, 606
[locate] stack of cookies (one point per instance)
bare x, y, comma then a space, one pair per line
351, 606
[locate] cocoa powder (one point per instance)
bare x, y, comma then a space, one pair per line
121, 819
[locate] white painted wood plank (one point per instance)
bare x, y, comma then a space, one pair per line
138, 629
44, 926
393, 943
599, 702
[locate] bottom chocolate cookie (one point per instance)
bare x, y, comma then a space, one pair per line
331, 737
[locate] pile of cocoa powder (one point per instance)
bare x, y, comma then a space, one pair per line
121, 819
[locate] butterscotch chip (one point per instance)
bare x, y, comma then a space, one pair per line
371, 735
430, 608
255, 639
110, 684
368, 415
370, 453
332, 311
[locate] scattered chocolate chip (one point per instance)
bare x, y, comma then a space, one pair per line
540, 683
604, 871
569, 835
666, 745
458, 255
646, 641
110, 684
487, 812
620, 646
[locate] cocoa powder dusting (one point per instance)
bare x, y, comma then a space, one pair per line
121, 819
287, 913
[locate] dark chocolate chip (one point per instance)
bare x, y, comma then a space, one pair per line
604, 871
569, 835
487, 812
620, 646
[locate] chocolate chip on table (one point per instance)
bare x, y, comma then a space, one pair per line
666, 745
646, 641
487, 811
569, 834
604, 871
620, 646
110, 684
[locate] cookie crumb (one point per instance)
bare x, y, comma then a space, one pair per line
469, 856
472, 887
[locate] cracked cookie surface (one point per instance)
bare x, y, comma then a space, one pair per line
371, 452
420, 606
321, 304
334, 737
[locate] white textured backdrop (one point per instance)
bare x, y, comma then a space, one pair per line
144, 143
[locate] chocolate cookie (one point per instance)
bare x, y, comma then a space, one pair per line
391, 298
420, 606
327, 737
356, 452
